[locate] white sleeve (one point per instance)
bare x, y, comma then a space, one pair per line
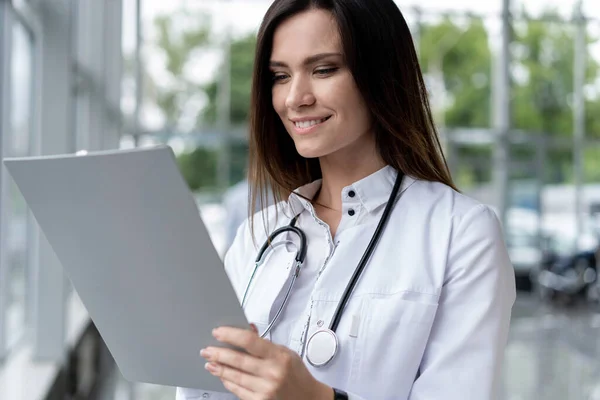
352, 396
199, 394
464, 354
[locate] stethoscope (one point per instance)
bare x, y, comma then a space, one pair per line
323, 345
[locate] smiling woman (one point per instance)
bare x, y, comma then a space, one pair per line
343, 139
334, 89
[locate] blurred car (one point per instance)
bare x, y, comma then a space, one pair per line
523, 244
525, 255
569, 266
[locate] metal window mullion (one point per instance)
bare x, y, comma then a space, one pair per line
33, 149
94, 62
28, 15
83, 75
5, 63
32, 18
54, 138
112, 73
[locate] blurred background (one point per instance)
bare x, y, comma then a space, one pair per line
515, 87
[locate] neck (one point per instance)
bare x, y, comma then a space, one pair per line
341, 170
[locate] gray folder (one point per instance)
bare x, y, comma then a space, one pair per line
128, 233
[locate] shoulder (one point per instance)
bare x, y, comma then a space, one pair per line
453, 220
472, 230
439, 199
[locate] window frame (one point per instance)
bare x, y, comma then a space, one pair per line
11, 13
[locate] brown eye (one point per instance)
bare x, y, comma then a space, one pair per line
278, 77
326, 71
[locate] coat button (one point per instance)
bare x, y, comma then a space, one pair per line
320, 323
351, 212
352, 193
205, 395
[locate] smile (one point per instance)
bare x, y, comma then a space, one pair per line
310, 123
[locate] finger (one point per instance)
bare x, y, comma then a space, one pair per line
239, 391
245, 339
233, 358
247, 381
254, 328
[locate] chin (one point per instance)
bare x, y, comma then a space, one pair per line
311, 151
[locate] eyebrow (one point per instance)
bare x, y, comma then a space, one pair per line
307, 61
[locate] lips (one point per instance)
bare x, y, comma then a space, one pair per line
307, 123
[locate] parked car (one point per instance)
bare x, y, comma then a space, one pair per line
525, 255
523, 245
569, 267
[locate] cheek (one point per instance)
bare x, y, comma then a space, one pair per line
278, 100
342, 95
360, 114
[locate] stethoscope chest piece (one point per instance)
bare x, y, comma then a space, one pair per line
321, 347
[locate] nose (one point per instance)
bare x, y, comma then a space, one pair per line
300, 93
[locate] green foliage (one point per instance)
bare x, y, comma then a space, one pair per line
239, 161
542, 95
179, 45
242, 64
542, 90
462, 52
543, 69
199, 168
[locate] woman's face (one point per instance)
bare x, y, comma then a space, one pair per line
314, 92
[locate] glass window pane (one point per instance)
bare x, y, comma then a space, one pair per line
19, 143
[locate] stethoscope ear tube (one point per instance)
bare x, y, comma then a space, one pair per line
299, 260
300, 254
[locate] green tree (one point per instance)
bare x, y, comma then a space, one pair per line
179, 46
462, 53
199, 168
242, 64
542, 90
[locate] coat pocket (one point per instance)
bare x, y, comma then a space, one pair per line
349, 331
393, 340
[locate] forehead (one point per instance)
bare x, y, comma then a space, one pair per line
310, 32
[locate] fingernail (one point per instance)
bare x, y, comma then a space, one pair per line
215, 332
206, 353
210, 367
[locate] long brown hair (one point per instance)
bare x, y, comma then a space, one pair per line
379, 51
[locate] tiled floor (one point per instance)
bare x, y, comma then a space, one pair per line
553, 354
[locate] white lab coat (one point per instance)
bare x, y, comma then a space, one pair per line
428, 319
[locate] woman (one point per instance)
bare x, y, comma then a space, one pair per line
342, 132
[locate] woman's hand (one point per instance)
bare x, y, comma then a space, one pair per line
267, 372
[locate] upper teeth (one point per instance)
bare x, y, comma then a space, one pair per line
307, 124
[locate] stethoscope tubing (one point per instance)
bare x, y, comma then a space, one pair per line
301, 255
337, 315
